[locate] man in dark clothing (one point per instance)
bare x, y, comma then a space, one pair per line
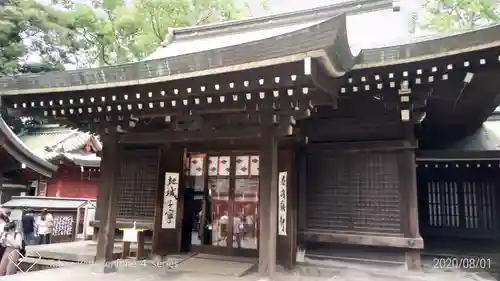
28, 224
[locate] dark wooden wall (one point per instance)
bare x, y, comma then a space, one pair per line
353, 192
358, 194
137, 183
459, 200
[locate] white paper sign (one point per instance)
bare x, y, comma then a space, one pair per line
282, 200
130, 235
196, 166
170, 200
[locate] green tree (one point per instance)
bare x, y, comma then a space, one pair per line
454, 15
30, 29
103, 32
119, 31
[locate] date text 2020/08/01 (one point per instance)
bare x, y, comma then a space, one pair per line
461, 263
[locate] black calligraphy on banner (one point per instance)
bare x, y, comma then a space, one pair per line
171, 191
282, 206
283, 193
282, 201
169, 214
170, 200
282, 224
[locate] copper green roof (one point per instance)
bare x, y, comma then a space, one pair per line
21, 153
54, 142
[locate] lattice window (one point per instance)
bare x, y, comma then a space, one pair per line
461, 205
138, 184
443, 204
353, 193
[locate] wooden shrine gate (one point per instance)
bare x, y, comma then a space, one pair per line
459, 201
251, 90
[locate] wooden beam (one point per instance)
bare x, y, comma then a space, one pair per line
108, 198
457, 155
123, 223
282, 129
363, 240
268, 203
355, 147
211, 85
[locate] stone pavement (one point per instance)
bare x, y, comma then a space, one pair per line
79, 251
138, 271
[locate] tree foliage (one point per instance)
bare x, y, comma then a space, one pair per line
28, 27
96, 32
36, 37
119, 31
454, 15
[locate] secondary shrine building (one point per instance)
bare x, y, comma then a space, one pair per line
269, 137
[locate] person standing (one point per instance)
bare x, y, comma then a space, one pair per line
4, 220
13, 242
45, 226
28, 225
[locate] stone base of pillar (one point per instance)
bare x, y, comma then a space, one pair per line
158, 258
412, 260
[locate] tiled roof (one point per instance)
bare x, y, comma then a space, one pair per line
51, 142
37, 138
40, 202
21, 153
80, 159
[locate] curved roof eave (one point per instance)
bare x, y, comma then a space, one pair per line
425, 48
269, 51
316, 40
14, 146
92, 161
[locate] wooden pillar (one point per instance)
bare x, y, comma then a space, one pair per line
168, 241
268, 204
108, 193
409, 207
286, 250
101, 193
2, 180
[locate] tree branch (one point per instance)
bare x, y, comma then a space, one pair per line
207, 16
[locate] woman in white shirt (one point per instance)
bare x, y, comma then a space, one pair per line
45, 223
13, 242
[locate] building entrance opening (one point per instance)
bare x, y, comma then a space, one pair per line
221, 206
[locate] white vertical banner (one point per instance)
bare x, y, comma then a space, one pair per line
282, 200
170, 200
